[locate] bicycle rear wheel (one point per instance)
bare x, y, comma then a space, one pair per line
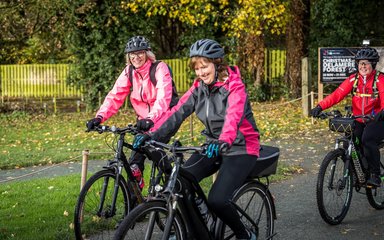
147, 221
333, 190
256, 201
94, 218
376, 195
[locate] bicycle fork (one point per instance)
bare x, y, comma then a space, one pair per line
112, 210
172, 208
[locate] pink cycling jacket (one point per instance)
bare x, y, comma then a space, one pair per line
224, 110
148, 101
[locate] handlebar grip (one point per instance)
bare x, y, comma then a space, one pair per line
223, 148
322, 115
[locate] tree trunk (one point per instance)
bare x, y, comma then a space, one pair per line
167, 36
251, 58
297, 43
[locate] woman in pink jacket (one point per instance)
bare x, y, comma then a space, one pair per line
149, 100
219, 100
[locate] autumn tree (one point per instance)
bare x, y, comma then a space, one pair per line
247, 21
296, 43
32, 31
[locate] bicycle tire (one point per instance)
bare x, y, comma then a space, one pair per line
136, 225
376, 195
88, 223
334, 198
255, 199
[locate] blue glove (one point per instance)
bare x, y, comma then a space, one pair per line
379, 116
215, 148
139, 140
144, 124
94, 122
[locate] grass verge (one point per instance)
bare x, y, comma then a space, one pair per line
43, 208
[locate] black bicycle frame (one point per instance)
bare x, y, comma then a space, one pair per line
194, 222
120, 161
350, 149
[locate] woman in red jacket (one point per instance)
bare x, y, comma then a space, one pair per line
367, 87
219, 99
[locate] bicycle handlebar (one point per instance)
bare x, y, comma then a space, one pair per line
175, 147
337, 114
113, 129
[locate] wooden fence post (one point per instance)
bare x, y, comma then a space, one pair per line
84, 168
54, 105
191, 125
305, 86
99, 94
45, 108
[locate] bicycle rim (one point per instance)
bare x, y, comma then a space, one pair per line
147, 221
334, 193
376, 195
94, 217
257, 203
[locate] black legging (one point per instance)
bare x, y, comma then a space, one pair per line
233, 171
369, 136
139, 158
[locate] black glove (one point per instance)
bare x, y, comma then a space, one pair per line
215, 148
144, 124
315, 112
139, 140
94, 122
379, 116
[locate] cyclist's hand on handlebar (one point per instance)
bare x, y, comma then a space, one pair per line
379, 116
93, 123
144, 124
215, 148
315, 112
139, 140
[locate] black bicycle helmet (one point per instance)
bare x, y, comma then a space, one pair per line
137, 43
206, 48
367, 53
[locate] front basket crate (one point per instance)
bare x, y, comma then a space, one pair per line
342, 125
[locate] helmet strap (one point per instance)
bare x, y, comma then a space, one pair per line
215, 78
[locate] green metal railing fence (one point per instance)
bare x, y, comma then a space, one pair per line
36, 80
49, 80
274, 66
180, 75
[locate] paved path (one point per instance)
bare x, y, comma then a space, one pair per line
297, 214
47, 171
298, 217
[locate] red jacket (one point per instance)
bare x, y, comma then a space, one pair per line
361, 103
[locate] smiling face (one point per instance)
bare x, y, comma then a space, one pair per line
365, 67
204, 69
137, 58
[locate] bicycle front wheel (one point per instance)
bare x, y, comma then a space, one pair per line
376, 195
147, 221
95, 218
334, 190
254, 199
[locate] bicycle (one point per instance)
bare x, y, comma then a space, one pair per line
107, 196
175, 213
343, 169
